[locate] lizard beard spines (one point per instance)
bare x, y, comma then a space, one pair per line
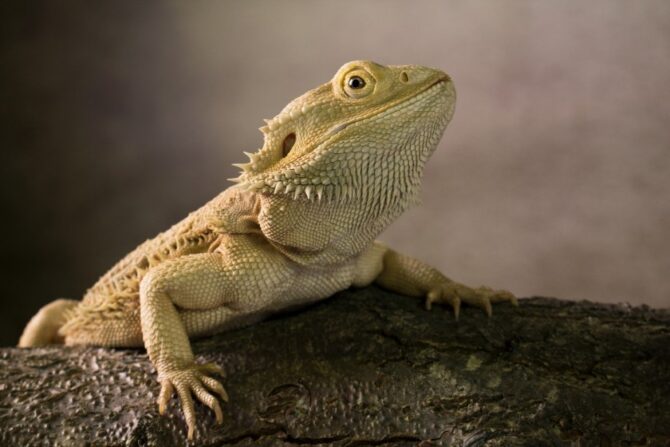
246, 169
376, 198
312, 193
327, 193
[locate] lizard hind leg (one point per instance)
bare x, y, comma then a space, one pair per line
43, 328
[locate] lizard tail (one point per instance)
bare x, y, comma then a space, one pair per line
43, 328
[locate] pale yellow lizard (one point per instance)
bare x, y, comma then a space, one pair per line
338, 165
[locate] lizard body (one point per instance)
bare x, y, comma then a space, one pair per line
338, 165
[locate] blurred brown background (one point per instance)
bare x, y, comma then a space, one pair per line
119, 118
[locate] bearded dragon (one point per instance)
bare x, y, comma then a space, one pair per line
337, 166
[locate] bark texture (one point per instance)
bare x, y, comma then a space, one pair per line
368, 367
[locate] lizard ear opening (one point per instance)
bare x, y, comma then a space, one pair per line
288, 143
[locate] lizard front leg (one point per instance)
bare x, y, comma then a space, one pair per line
409, 276
191, 282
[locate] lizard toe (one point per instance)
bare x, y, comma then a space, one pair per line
211, 368
209, 400
216, 387
455, 295
188, 407
164, 397
442, 294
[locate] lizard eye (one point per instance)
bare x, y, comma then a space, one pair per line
358, 84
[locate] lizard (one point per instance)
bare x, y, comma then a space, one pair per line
338, 164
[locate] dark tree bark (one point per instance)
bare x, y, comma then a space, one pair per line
369, 367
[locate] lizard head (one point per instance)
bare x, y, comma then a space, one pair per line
365, 134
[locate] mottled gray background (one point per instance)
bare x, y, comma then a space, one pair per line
118, 118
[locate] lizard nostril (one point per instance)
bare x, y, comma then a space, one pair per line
288, 143
404, 77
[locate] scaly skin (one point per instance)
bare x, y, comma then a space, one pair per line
338, 165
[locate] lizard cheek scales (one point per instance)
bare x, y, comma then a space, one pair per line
299, 227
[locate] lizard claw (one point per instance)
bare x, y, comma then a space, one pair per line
164, 397
437, 295
455, 294
189, 381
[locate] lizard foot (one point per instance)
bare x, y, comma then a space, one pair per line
193, 379
454, 294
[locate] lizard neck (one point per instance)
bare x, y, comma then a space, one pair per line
323, 232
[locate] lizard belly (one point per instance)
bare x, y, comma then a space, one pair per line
313, 285
263, 284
